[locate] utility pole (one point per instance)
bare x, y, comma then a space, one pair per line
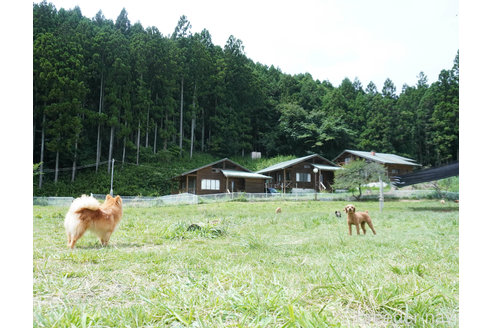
381, 196
315, 170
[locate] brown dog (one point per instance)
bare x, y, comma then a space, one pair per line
86, 213
278, 210
357, 218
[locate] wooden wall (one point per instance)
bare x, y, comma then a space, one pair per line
255, 185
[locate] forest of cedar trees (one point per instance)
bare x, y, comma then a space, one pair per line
108, 89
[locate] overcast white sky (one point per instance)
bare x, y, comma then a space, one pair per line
330, 39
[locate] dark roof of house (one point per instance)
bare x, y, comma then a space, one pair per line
286, 164
230, 173
380, 157
216, 162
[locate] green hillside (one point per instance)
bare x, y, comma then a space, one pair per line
151, 178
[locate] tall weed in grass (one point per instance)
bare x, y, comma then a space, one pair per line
249, 267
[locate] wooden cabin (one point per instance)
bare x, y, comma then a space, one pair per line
395, 165
223, 176
309, 173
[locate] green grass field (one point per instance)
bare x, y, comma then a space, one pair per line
248, 267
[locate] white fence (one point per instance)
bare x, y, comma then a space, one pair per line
181, 199
130, 201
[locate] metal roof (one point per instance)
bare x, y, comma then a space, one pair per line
327, 167
382, 157
283, 165
241, 174
216, 162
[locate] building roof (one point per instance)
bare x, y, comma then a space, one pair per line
286, 164
241, 174
216, 162
381, 157
327, 167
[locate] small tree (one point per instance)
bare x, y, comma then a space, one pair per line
35, 169
358, 173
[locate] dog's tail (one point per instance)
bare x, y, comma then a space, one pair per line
82, 203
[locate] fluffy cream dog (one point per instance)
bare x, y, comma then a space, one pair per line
86, 213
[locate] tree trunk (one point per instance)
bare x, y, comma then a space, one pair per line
165, 135
98, 151
147, 128
174, 134
155, 138
138, 142
42, 153
203, 130
124, 146
124, 151
75, 159
193, 122
181, 119
56, 165
110, 154
192, 136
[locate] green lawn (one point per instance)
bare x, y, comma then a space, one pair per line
248, 267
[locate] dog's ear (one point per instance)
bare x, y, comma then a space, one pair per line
108, 197
345, 209
118, 200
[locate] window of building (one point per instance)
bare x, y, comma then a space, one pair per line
208, 184
347, 160
303, 177
395, 171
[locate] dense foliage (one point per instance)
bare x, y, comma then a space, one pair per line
105, 89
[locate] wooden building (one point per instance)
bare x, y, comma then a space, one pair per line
223, 176
395, 165
309, 173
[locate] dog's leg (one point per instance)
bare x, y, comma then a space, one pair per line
73, 241
69, 239
369, 222
363, 226
105, 238
357, 227
350, 229
77, 234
